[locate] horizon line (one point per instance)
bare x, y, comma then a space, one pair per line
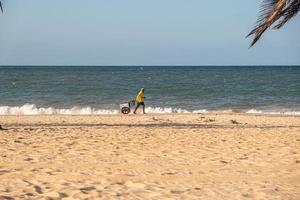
259, 65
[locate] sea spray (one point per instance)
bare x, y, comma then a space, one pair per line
32, 109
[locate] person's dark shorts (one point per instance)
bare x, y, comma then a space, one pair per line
140, 104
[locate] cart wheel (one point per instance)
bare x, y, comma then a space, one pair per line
125, 110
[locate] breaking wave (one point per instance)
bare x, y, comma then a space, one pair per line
254, 111
32, 109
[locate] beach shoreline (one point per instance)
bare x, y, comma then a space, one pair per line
153, 156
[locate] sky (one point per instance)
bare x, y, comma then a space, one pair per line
141, 32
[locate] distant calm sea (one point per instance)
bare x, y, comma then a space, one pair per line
99, 90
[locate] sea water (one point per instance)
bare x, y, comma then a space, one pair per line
168, 89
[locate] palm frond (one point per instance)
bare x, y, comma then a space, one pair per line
292, 9
271, 11
1, 7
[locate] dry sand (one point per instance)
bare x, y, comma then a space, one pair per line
193, 156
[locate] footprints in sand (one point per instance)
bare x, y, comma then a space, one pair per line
53, 190
86, 190
206, 156
4, 172
134, 189
38, 189
209, 120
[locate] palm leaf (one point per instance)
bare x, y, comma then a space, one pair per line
272, 11
1, 7
292, 9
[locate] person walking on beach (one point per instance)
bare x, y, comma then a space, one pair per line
140, 100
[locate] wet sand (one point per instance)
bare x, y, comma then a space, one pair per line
180, 156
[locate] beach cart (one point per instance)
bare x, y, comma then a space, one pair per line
126, 107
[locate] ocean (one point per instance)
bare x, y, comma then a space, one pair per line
168, 89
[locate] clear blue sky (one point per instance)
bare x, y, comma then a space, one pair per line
140, 32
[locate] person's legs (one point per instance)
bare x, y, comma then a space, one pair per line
137, 106
143, 104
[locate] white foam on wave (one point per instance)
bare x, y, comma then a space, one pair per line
31, 109
254, 111
158, 110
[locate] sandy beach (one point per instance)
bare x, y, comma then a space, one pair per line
179, 156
